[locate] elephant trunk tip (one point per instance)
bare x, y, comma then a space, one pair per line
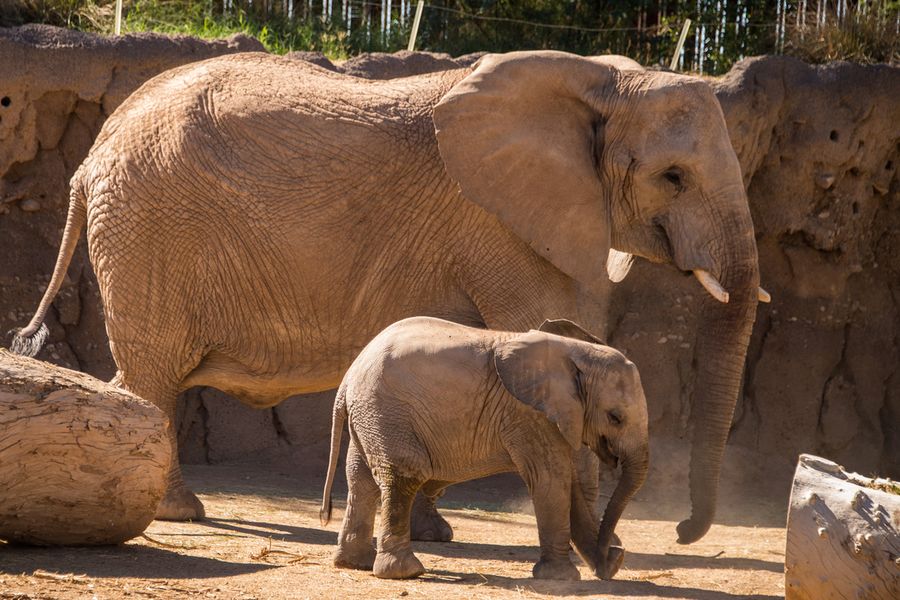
608, 566
692, 529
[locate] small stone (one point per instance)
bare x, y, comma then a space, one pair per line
30, 205
823, 533
662, 340
812, 498
824, 180
684, 345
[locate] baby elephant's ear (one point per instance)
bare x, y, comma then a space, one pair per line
569, 329
539, 372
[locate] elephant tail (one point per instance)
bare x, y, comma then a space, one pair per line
29, 340
338, 416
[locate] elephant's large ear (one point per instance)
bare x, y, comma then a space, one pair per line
520, 135
569, 329
540, 372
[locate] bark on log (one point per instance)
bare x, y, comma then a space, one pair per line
842, 534
81, 461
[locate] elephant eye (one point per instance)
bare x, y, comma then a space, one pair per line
614, 417
675, 176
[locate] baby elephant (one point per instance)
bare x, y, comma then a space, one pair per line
432, 403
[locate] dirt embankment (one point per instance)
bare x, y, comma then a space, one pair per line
819, 149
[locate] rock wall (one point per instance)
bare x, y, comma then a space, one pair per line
56, 89
819, 149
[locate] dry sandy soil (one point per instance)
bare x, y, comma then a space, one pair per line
263, 541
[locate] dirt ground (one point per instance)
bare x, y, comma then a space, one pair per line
262, 540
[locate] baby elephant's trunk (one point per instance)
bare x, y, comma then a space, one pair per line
634, 472
338, 416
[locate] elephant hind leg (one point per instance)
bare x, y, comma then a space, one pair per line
179, 503
427, 524
395, 558
355, 549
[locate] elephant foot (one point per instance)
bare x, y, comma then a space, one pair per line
180, 504
352, 555
426, 523
555, 569
397, 565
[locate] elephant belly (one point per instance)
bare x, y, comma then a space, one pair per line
459, 473
259, 390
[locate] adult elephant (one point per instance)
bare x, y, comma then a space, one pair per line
254, 221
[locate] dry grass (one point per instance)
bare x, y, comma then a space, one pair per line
867, 35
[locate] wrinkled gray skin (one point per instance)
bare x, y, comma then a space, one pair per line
254, 221
430, 403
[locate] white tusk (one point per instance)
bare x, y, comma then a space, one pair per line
764, 296
712, 286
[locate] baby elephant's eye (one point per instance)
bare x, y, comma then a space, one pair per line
614, 417
675, 176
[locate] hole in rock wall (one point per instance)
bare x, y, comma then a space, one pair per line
833, 136
854, 171
5, 101
855, 207
889, 165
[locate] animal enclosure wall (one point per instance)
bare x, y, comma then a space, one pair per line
819, 150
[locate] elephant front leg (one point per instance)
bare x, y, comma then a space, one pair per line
355, 549
426, 523
395, 559
549, 480
551, 509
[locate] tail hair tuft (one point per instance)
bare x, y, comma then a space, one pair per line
28, 344
325, 512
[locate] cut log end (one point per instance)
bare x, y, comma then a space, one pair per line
82, 462
842, 534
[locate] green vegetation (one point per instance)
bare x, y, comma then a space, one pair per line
723, 30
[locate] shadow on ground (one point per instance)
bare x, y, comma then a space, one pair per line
287, 533
634, 560
594, 588
126, 560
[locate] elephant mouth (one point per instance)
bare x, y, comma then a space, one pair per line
606, 454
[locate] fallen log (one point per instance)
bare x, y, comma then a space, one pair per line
81, 462
842, 534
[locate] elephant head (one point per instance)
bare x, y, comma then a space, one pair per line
590, 165
594, 396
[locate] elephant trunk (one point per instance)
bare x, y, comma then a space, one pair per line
722, 339
634, 471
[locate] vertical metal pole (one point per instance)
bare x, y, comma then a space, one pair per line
415, 28
680, 45
118, 27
